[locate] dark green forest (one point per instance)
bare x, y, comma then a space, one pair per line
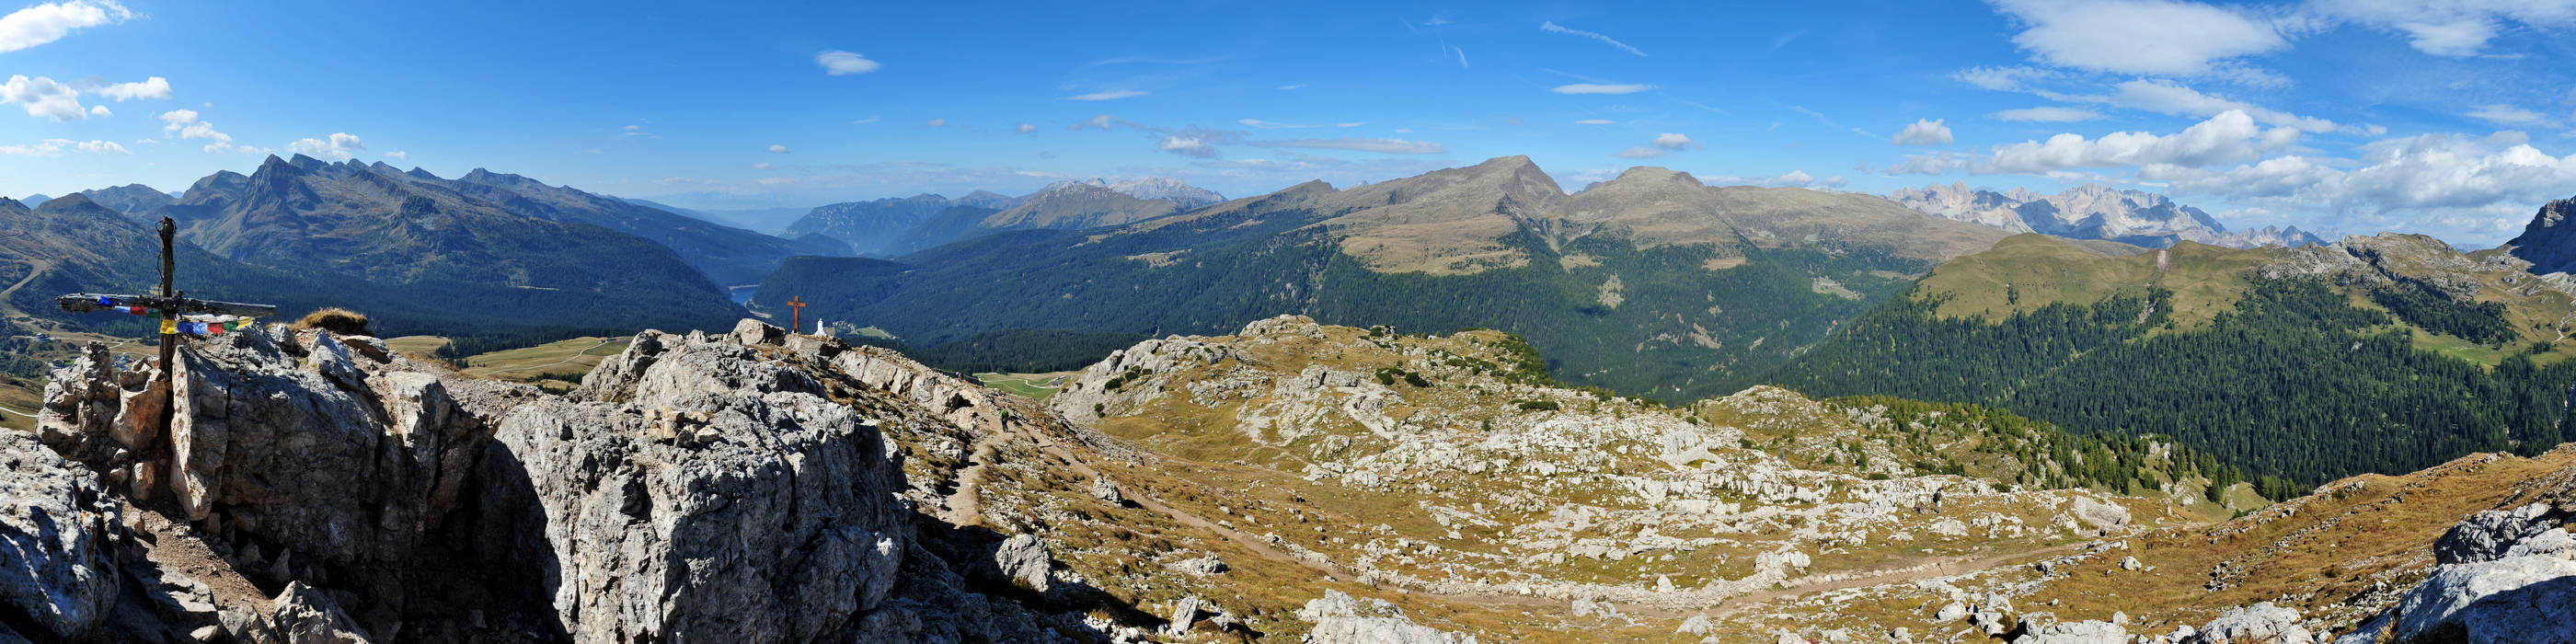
2296, 383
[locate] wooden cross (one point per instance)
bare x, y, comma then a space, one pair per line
169, 302
799, 316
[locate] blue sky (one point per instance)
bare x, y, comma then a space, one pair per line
2351, 116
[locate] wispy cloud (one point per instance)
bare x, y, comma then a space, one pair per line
1109, 95
1599, 88
1594, 122
775, 148
1259, 124
55, 147
1293, 86
340, 147
1552, 27
2507, 115
1925, 132
2048, 115
1025, 128
1383, 146
842, 63
865, 121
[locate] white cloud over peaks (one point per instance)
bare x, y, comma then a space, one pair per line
1601, 88
1935, 163
841, 63
187, 126
1671, 141
775, 148
1551, 27
341, 147
1188, 146
1923, 132
398, 155
1384, 146
2048, 115
2138, 36
41, 96
1639, 152
54, 147
1110, 95
2229, 137
2507, 115
46, 23
2173, 98
2446, 27
154, 88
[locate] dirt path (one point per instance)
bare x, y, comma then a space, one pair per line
36, 267
16, 412
963, 507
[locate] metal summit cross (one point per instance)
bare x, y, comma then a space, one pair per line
167, 302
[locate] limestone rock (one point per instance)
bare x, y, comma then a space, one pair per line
1107, 490
2262, 622
1023, 558
54, 539
2515, 599
1341, 619
2485, 536
2130, 563
2084, 632
723, 498
306, 615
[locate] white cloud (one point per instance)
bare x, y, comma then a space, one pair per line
1601, 88
2507, 115
187, 126
867, 120
1293, 86
1385, 146
1671, 141
100, 111
2160, 37
41, 96
1259, 124
2173, 98
46, 23
1110, 95
1351, 124
841, 63
2481, 186
764, 165
776, 148
1101, 121
155, 88
398, 155
1639, 152
2002, 79
935, 123
1025, 128
1188, 146
1594, 122
1923, 132
2447, 27
54, 147
2226, 138
2048, 115
1936, 163
1552, 27
341, 147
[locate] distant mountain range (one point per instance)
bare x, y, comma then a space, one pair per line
2092, 211
482, 253
898, 226
1654, 282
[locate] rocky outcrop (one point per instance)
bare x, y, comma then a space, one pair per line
2085, 632
1341, 619
55, 529
2505, 576
2262, 622
2549, 241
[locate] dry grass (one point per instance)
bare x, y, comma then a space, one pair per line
336, 320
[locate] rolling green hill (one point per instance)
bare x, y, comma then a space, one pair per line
2375, 354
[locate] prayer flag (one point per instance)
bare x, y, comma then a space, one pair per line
216, 329
169, 327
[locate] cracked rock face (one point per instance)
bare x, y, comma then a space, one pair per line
54, 564
723, 496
